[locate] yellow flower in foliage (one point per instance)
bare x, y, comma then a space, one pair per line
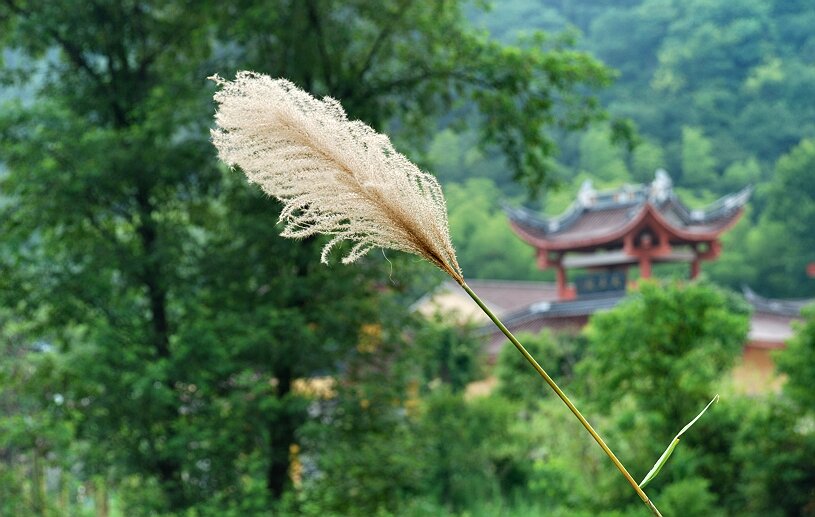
370, 336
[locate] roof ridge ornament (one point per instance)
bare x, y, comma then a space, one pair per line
587, 194
661, 187
728, 204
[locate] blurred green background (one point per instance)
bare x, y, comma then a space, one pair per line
165, 352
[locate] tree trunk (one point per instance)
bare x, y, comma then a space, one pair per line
37, 484
101, 497
281, 436
168, 469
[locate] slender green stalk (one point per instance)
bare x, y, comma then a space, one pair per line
552, 384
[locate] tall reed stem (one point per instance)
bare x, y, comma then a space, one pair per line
552, 384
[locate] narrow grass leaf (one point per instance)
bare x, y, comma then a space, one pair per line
667, 454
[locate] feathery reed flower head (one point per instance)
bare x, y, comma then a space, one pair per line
342, 178
333, 175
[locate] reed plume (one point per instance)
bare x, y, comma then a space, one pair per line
334, 176
340, 177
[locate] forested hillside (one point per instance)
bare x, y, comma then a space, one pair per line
720, 95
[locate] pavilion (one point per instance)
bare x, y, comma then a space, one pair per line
608, 232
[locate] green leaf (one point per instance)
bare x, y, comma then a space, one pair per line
667, 454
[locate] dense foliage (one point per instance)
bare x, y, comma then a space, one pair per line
160, 332
518, 452
773, 254
718, 91
685, 338
164, 352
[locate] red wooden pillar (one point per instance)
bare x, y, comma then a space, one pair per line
562, 282
645, 266
695, 267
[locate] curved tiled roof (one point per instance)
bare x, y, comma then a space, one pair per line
778, 306
603, 217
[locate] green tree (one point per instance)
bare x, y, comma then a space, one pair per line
791, 203
466, 437
771, 252
728, 35
181, 321
630, 38
735, 70
734, 268
651, 364
776, 444
100, 173
741, 174
646, 158
415, 62
486, 246
365, 443
665, 346
601, 158
455, 157
690, 497
774, 449
447, 353
797, 362
33, 426
698, 161
562, 353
